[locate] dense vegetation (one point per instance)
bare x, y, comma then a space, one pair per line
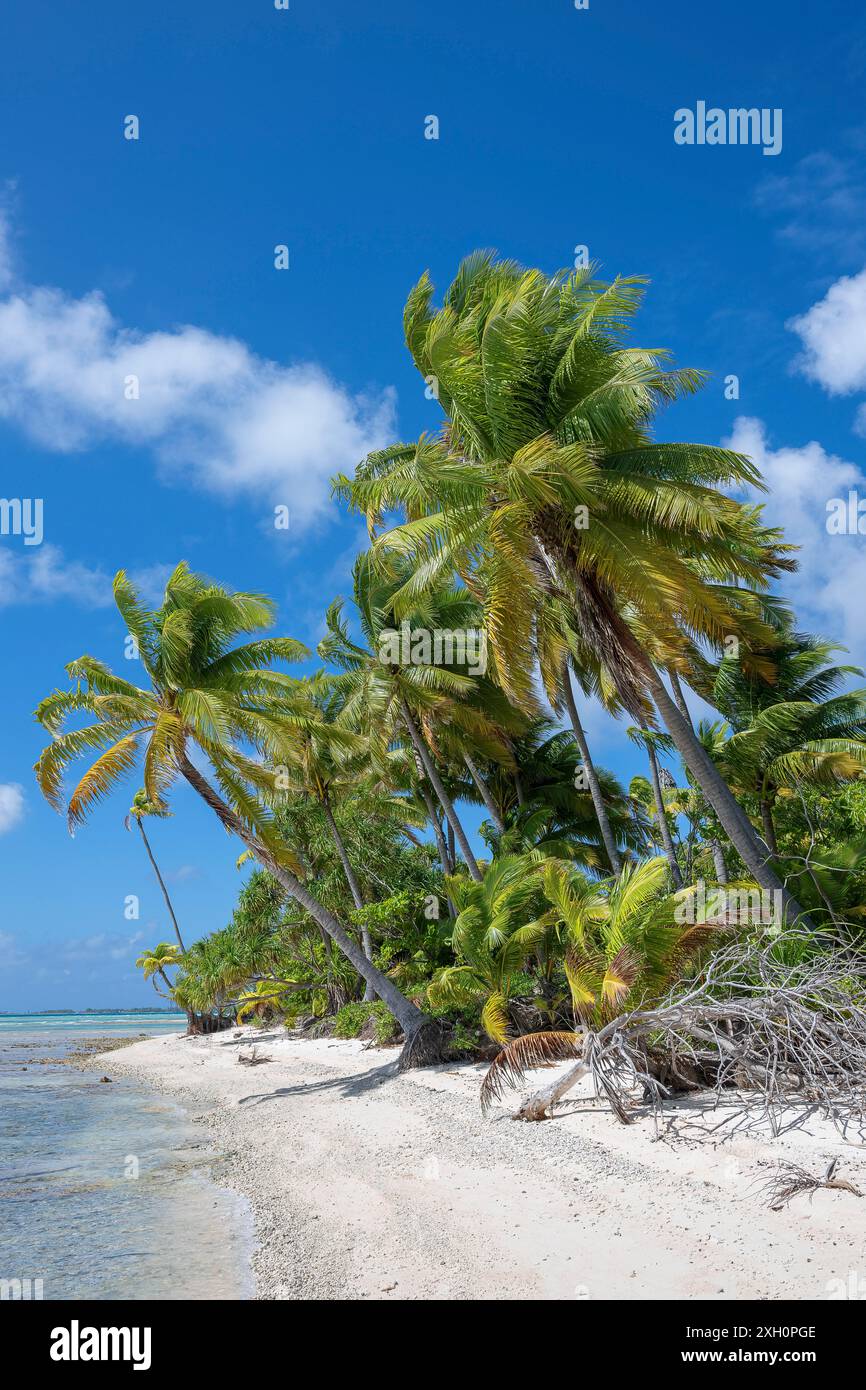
542, 547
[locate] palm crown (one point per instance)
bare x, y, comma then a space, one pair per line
545, 492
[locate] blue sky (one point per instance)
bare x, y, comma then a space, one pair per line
305, 127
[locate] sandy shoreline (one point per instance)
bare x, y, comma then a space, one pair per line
369, 1184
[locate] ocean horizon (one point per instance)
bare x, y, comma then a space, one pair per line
108, 1191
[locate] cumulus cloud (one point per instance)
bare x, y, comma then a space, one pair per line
827, 590
833, 334
11, 805
209, 409
44, 574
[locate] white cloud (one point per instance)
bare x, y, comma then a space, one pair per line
11, 805
43, 574
822, 204
827, 590
833, 333
209, 408
103, 945
185, 872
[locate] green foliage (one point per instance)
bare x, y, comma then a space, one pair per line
352, 1017
549, 410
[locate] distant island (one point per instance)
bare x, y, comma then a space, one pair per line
51, 1013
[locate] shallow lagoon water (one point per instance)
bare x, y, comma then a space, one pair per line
108, 1191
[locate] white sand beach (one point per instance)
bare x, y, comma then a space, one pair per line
370, 1184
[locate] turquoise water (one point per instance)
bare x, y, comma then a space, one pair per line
108, 1191
94, 1024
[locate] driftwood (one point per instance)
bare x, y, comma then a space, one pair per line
779, 1034
253, 1060
791, 1180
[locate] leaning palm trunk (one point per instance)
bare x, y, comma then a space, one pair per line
607, 834
354, 889
662, 817
445, 858
519, 791
484, 793
422, 1034
436, 824
438, 787
161, 883
618, 635
736, 823
680, 697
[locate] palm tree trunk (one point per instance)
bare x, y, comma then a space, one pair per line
166, 981
441, 845
733, 818
518, 780
484, 793
444, 857
354, 889
679, 696
518, 787
719, 862
607, 834
161, 883
769, 827
420, 1047
436, 783
662, 816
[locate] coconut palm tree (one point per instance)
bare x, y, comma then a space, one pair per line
140, 808
796, 727
652, 741
544, 483
324, 756
592, 777
624, 949
556, 804
388, 683
156, 961
207, 701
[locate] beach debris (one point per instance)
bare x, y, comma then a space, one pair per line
780, 1039
790, 1180
253, 1059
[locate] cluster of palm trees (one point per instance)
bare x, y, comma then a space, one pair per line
545, 518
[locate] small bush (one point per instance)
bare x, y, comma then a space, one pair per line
387, 1027
351, 1019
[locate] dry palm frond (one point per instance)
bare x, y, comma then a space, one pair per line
525, 1054
781, 1024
